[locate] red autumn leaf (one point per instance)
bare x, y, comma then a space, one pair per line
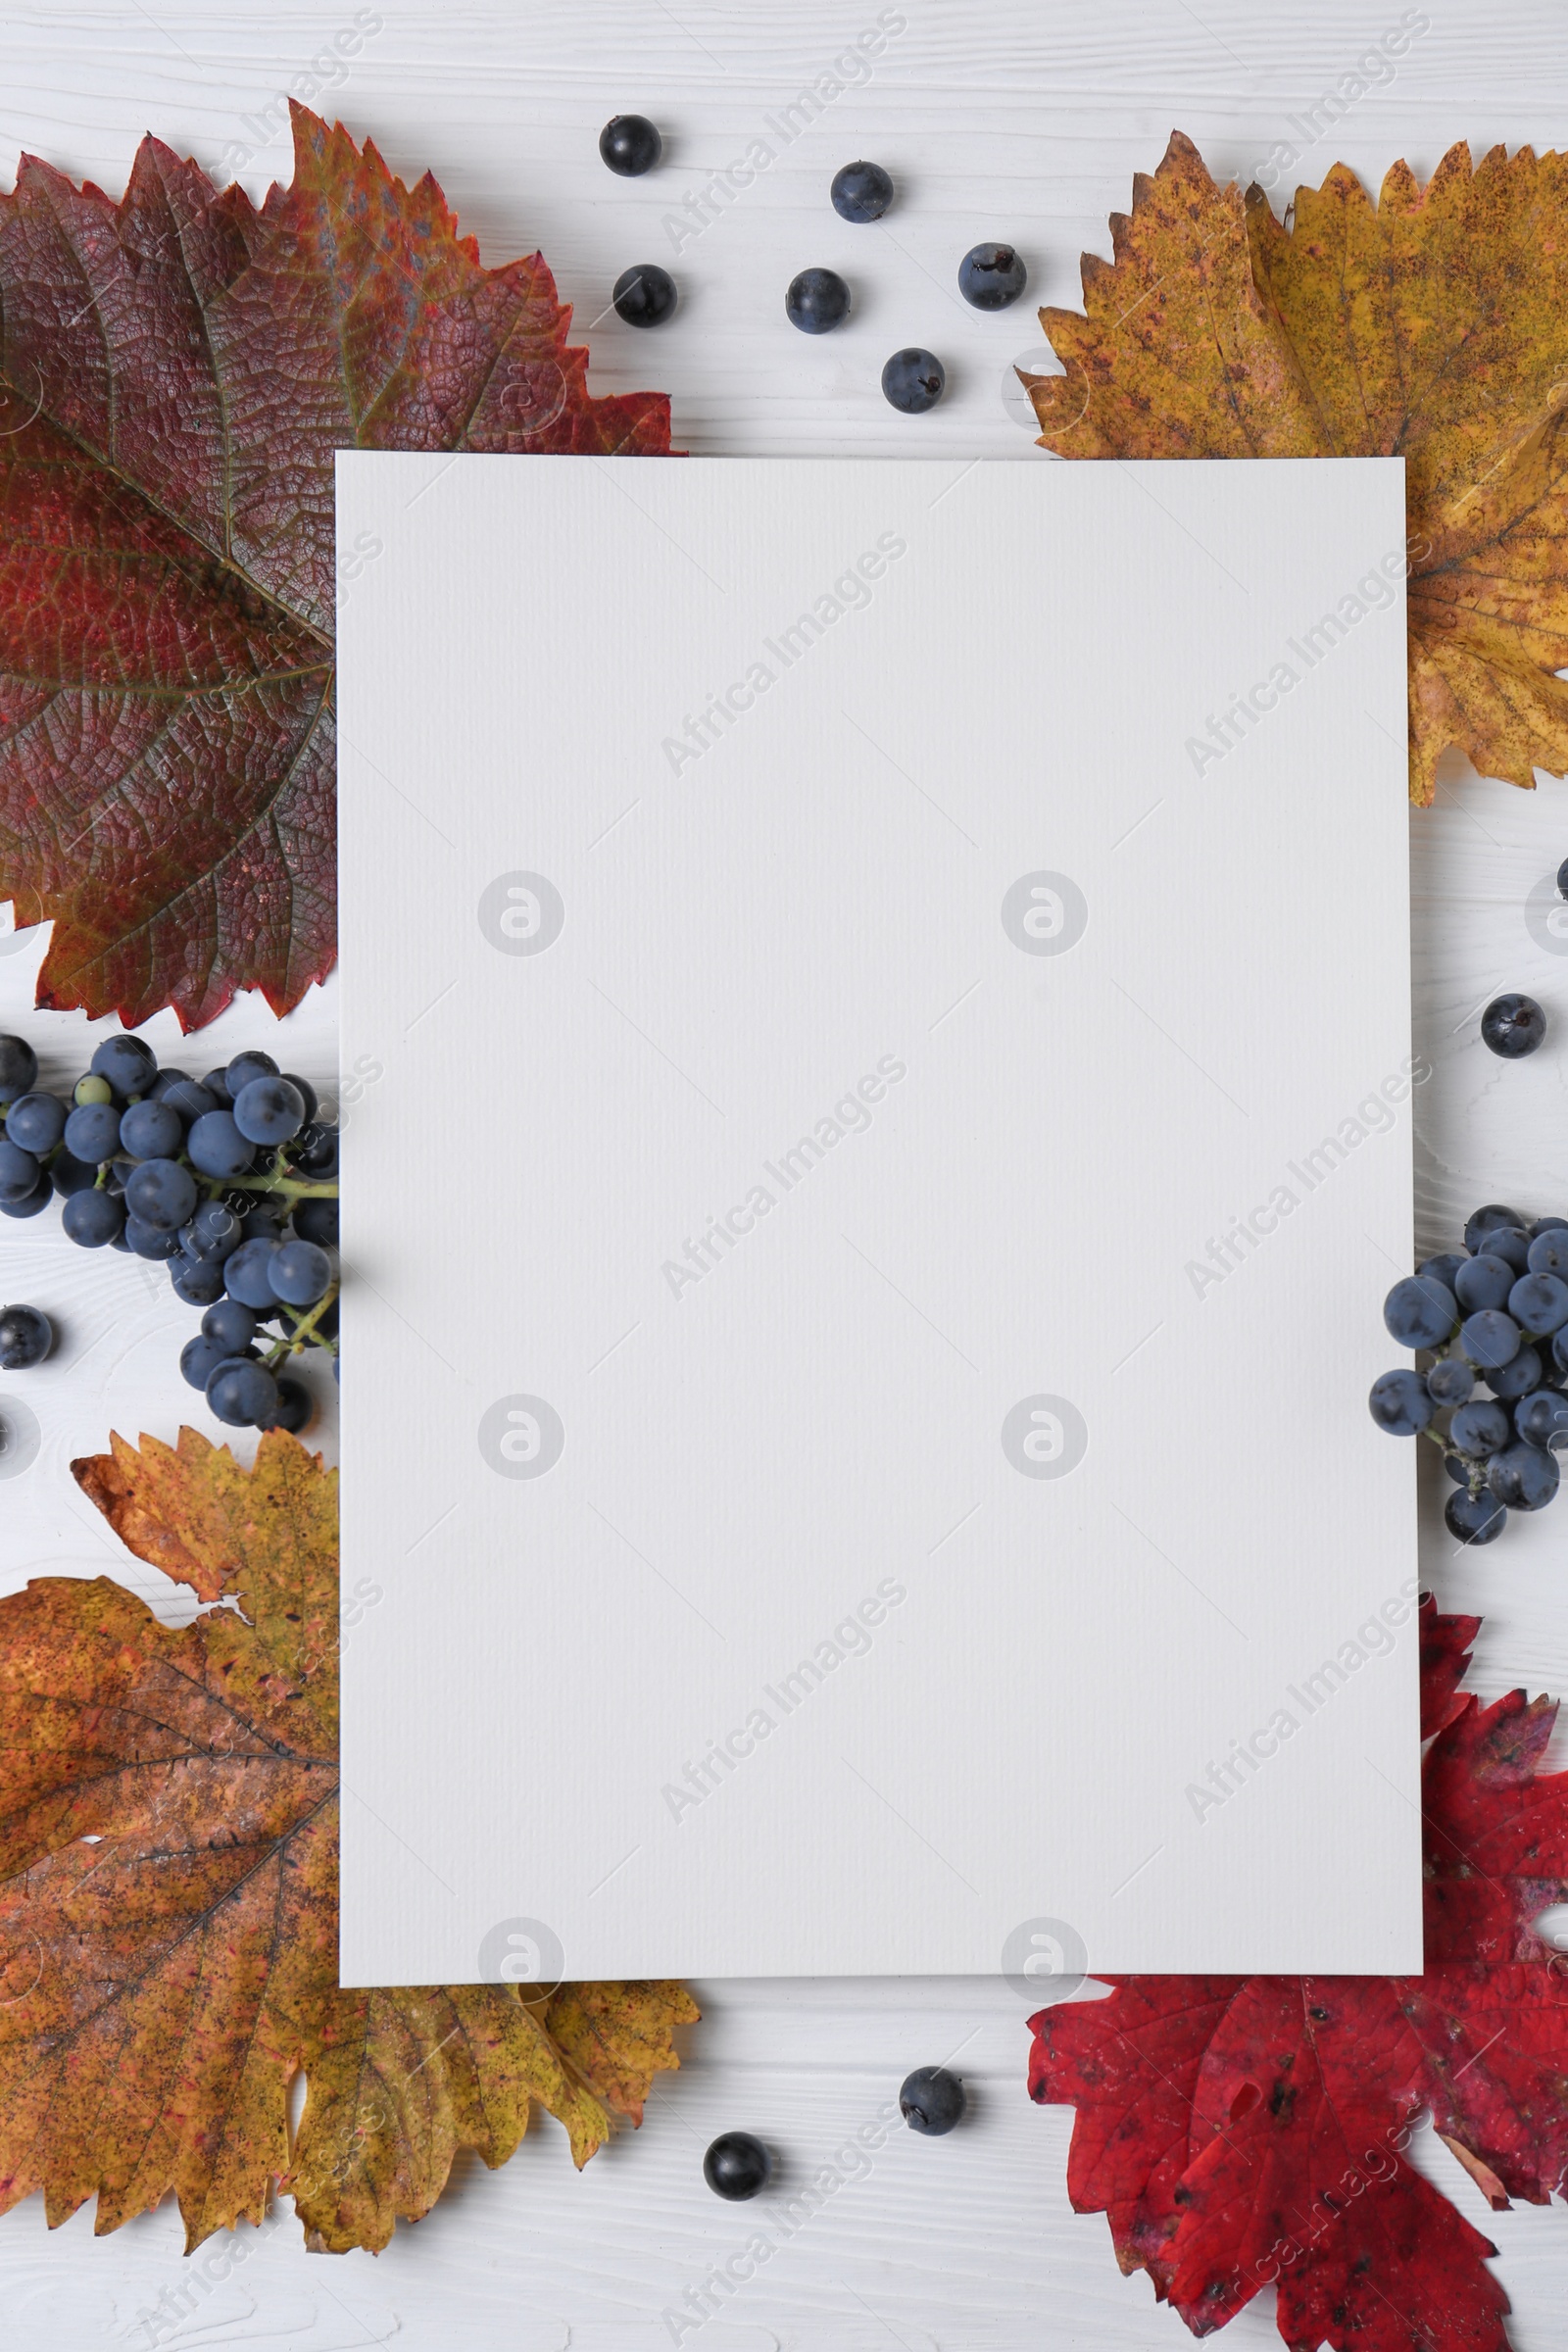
1242, 2132
176, 374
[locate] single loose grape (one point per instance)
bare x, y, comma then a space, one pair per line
644, 295
1513, 1025
931, 2100
630, 145
861, 192
913, 380
26, 1336
736, 2166
992, 277
816, 301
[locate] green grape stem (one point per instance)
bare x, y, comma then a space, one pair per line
294, 1343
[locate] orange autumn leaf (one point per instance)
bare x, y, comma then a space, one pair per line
1432, 326
168, 1898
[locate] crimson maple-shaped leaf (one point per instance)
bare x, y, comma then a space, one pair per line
1242, 2132
176, 374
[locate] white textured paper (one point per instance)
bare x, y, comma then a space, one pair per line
876, 1020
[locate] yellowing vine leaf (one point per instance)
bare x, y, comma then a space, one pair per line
1433, 326
168, 1898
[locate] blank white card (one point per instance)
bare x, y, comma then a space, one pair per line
878, 1002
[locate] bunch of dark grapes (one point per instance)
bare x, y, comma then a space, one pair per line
230, 1179
1492, 1316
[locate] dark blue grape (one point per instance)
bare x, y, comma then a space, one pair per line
736, 2165
306, 1091
1480, 1428
1539, 1303
1517, 1377
1444, 1269
166, 1079
92, 1219
1400, 1403
861, 192
316, 1154
92, 1132
37, 1122
299, 1272
1549, 1249
1513, 1025
1459, 1467
128, 1066
1542, 1418
816, 301
19, 1068
246, 1066
260, 1224
150, 1241
1484, 1281
30, 1205
931, 2100
1419, 1314
246, 1277
991, 276
231, 1325
214, 1231
242, 1394
1523, 1477
316, 1221
200, 1358
152, 1131
630, 145
1511, 1244
295, 1405
196, 1280
1483, 1222
1475, 1518
216, 1146
26, 1336
18, 1171
269, 1110
644, 295
1490, 1339
215, 1084
188, 1099
913, 380
162, 1194
70, 1175
1451, 1380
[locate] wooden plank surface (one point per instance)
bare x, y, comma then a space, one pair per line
999, 118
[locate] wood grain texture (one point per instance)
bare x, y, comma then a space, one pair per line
1002, 118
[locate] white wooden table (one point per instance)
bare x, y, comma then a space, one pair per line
1014, 118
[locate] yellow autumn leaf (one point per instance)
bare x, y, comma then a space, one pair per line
168, 1898
1432, 326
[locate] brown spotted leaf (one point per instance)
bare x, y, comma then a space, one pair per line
1432, 326
176, 372
168, 1898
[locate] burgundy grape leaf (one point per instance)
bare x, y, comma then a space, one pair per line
1245, 2131
176, 372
